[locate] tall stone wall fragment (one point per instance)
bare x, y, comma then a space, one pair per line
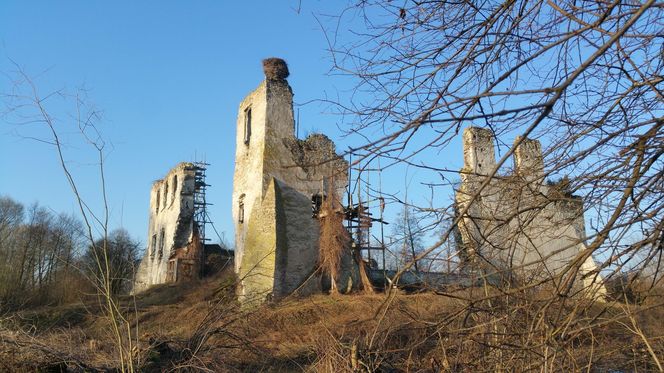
517, 226
172, 237
276, 176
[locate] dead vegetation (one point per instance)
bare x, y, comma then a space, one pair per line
200, 327
334, 240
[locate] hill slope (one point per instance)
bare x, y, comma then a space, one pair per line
199, 326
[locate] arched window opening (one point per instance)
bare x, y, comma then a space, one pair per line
162, 236
175, 187
156, 209
153, 245
240, 211
247, 125
165, 193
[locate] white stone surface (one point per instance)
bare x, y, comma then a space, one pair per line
517, 224
274, 159
171, 211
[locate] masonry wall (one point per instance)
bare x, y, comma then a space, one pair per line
517, 224
276, 175
256, 267
248, 180
170, 227
298, 250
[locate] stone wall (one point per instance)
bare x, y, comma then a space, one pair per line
276, 176
518, 225
171, 227
256, 267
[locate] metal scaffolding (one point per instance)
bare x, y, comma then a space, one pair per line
359, 217
201, 217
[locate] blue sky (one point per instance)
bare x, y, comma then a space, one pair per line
168, 77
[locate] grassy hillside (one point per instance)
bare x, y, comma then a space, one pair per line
199, 327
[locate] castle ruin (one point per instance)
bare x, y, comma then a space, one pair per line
277, 180
175, 249
517, 225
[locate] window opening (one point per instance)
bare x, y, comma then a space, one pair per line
316, 204
153, 245
165, 193
162, 236
247, 125
175, 187
240, 213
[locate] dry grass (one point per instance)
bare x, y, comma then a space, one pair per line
200, 326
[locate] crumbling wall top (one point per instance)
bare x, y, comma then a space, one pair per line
479, 156
179, 168
478, 152
315, 151
528, 159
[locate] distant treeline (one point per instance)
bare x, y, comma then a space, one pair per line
49, 259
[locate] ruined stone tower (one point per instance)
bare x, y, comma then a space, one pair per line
276, 177
518, 225
174, 250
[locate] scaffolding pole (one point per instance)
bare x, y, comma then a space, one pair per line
200, 206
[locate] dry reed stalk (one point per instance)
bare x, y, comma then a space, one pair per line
334, 238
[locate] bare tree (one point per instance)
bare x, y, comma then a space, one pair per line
38, 252
11, 216
407, 241
27, 108
584, 78
122, 252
